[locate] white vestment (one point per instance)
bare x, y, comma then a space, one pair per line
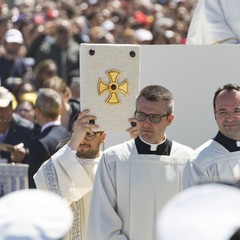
130, 189
215, 21
72, 178
212, 163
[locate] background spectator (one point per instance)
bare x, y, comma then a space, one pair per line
70, 106
14, 130
26, 110
61, 48
11, 62
44, 69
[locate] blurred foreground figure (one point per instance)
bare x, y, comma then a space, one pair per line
34, 214
203, 212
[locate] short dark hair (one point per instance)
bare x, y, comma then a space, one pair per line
229, 87
49, 102
156, 93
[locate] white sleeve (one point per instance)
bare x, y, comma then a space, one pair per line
63, 174
193, 175
215, 21
104, 222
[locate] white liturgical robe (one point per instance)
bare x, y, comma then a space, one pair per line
130, 189
215, 21
212, 163
71, 178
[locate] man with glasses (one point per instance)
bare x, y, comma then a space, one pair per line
71, 170
136, 178
218, 159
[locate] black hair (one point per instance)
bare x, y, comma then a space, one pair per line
229, 87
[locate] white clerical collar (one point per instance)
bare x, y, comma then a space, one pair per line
86, 161
153, 147
238, 143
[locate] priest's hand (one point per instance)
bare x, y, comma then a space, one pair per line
85, 123
133, 129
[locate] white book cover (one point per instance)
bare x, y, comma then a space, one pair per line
109, 83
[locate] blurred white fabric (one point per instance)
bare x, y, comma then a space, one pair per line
203, 212
215, 22
34, 214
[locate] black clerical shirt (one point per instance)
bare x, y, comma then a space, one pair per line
162, 149
228, 143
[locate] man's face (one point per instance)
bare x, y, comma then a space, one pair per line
152, 132
227, 113
90, 148
5, 117
26, 110
63, 34
12, 48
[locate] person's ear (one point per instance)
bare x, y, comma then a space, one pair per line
170, 119
103, 137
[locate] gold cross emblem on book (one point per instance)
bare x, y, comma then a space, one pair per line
113, 87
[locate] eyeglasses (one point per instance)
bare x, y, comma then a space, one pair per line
92, 136
224, 113
154, 118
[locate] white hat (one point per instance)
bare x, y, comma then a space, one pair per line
142, 35
13, 36
108, 25
5, 97
34, 214
203, 212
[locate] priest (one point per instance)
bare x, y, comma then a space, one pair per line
71, 170
136, 178
218, 159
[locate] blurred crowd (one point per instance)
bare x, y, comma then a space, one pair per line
40, 39
113, 21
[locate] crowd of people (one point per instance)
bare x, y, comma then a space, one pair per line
166, 21
46, 35
35, 31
